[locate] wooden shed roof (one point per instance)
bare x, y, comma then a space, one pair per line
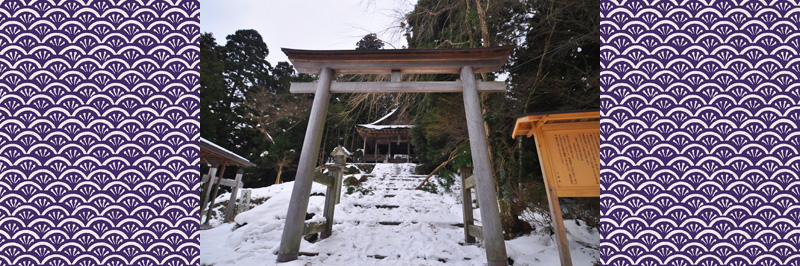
211, 153
407, 61
526, 123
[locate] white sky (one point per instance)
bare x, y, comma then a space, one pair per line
306, 24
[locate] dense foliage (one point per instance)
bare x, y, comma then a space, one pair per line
246, 106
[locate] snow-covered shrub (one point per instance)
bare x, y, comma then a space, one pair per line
353, 189
446, 179
351, 170
430, 187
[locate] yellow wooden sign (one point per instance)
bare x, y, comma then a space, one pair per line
569, 150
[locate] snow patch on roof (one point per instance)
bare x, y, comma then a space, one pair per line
223, 149
374, 125
385, 126
346, 151
385, 116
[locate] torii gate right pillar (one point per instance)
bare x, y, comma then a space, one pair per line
487, 198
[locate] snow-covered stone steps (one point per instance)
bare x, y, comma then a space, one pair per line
396, 224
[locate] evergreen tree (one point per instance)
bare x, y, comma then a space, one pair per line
242, 97
213, 90
369, 42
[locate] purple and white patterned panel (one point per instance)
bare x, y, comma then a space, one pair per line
98, 133
700, 138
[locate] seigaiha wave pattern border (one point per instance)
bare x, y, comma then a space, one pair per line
701, 108
99, 104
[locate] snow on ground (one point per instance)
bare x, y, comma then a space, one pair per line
423, 229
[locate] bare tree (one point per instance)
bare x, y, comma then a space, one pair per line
268, 107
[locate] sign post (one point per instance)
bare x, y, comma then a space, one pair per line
568, 145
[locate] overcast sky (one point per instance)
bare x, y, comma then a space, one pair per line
306, 24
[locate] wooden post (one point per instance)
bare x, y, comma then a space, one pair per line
389, 154
408, 151
490, 214
466, 196
376, 150
298, 204
212, 171
229, 210
214, 195
555, 207
364, 150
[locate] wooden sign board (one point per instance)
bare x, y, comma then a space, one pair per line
569, 150
573, 160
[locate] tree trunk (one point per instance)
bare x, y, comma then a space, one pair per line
486, 43
482, 18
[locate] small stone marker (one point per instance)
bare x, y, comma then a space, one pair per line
244, 201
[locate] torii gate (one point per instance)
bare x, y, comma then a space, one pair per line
466, 62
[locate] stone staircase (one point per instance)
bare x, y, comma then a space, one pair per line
393, 224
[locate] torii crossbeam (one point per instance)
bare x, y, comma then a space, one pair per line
466, 62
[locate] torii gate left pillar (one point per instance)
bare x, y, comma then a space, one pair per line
465, 62
295, 217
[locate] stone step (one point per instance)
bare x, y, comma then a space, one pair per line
378, 206
380, 257
405, 179
396, 223
375, 256
395, 189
